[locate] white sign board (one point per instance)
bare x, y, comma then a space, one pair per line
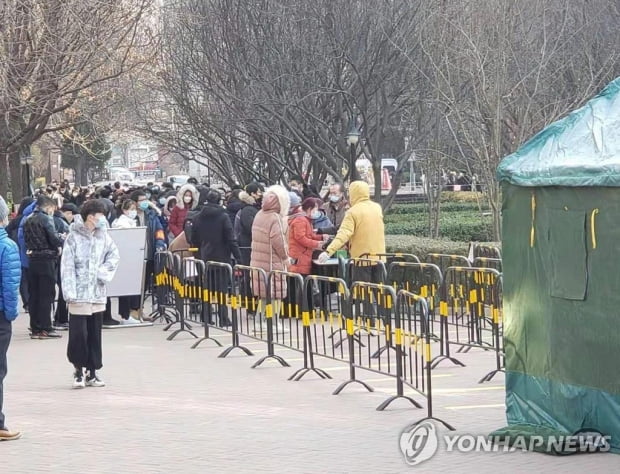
129, 276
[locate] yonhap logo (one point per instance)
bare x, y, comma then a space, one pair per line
419, 443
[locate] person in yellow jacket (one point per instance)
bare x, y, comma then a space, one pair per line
362, 227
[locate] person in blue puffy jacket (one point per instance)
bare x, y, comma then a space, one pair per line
10, 275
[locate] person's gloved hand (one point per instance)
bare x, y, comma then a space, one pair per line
324, 257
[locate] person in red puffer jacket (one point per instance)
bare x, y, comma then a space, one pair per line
187, 200
302, 241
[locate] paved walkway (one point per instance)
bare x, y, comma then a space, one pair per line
168, 408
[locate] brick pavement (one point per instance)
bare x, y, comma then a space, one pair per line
168, 408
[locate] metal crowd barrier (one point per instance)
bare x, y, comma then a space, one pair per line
472, 302
487, 251
187, 283
323, 318
485, 262
444, 261
413, 351
366, 270
164, 307
424, 279
389, 258
254, 298
385, 325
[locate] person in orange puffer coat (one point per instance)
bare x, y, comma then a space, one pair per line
302, 241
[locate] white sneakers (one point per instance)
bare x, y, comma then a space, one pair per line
130, 321
79, 381
94, 382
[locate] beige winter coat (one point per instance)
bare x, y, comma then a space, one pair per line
269, 241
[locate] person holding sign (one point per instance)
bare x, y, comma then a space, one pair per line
128, 306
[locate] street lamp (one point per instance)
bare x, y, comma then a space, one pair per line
353, 137
27, 161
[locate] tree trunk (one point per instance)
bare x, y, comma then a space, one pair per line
17, 175
4, 176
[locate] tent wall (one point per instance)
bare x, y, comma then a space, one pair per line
562, 307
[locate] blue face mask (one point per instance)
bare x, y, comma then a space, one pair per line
144, 205
102, 223
162, 201
315, 215
333, 198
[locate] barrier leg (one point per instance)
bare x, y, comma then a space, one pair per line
184, 327
270, 349
444, 347
429, 401
308, 360
498, 359
235, 338
352, 378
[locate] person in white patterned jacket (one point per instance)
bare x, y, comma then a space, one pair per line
89, 261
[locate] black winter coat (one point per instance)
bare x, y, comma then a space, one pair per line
232, 209
42, 241
212, 233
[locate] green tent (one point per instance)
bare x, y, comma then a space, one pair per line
561, 251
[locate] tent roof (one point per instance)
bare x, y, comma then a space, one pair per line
581, 149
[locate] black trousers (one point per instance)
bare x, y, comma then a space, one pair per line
62, 313
5, 339
42, 286
126, 304
23, 287
84, 346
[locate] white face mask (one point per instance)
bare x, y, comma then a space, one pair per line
132, 214
187, 199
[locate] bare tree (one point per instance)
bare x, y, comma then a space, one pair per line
52, 54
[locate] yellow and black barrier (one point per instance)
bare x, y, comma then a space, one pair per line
256, 310
373, 319
444, 261
471, 303
411, 334
486, 262
323, 318
186, 284
424, 279
487, 251
389, 258
164, 303
365, 270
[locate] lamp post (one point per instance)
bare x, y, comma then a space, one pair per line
353, 137
27, 161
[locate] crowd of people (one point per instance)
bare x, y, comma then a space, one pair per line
56, 248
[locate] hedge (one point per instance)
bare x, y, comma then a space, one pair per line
421, 246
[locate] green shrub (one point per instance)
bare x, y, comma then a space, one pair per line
422, 246
462, 227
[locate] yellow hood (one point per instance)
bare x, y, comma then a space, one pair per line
359, 191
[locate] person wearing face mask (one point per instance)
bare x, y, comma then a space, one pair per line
155, 237
302, 240
337, 205
128, 306
43, 246
320, 222
187, 200
89, 262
